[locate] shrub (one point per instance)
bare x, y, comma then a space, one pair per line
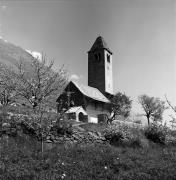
170, 140
63, 127
113, 135
156, 133
125, 135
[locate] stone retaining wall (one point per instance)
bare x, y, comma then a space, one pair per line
78, 135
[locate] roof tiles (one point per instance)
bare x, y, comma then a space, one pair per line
91, 92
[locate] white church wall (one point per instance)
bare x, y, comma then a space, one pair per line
108, 73
94, 112
93, 120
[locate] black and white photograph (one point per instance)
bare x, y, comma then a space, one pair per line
87, 89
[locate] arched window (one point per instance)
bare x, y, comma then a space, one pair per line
97, 57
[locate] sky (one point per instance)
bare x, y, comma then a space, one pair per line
140, 33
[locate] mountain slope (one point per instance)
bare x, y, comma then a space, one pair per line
10, 53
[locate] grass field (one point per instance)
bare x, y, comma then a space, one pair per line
21, 159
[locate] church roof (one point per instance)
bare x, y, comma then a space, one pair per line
91, 92
100, 44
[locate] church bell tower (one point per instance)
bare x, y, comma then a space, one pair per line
100, 67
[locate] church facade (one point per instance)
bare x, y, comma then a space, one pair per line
91, 103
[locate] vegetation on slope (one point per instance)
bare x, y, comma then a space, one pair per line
21, 159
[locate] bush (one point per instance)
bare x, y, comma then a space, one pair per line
62, 128
125, 135
113, 135
156, 133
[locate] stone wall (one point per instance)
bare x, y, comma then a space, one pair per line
79, 135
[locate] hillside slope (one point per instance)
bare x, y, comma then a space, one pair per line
10, 53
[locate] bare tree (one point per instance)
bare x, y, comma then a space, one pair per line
120, 105
173, 121
38, 85
34, 85
7, 89
7, 86
171, 106
153, 107
37, 88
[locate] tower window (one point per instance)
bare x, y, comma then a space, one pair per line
108, 58
97, 57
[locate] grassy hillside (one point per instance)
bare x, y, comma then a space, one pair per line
21, 159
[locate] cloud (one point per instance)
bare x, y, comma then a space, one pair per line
3, 39
35, 54
75, 77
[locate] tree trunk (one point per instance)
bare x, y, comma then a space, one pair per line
110, 119
4, 113
148, 119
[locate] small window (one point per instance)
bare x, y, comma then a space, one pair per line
108, 58
97, 57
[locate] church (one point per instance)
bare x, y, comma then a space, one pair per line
91, 103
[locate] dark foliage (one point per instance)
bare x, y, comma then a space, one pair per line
123, 135
62, 128
120, 105
114, 137
156, 133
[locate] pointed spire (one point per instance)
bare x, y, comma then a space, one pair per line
100, 44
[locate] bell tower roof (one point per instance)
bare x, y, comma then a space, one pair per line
100, 44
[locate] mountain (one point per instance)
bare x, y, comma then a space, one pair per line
10, 53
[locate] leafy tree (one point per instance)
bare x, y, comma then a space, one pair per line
120, 105
153, 107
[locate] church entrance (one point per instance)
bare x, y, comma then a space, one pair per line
81, 117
